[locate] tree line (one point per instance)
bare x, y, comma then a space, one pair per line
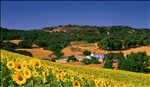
136, 62
107, 38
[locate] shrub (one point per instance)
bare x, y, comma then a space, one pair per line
71, 58
94, 60
86, 61
24, 52
86, 52
53, 60
108, 64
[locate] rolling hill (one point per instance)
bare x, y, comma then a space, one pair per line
59, 75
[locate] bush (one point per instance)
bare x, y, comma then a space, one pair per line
86, 61
53, 60
108, 64
71, 58
86, 52
94, 60
24, 52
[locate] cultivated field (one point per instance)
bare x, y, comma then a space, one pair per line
36, 51
90, 65
94, 48
49, 74
14, 41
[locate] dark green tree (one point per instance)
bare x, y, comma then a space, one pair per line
108, 60
71, 58
86, 61
8, 46
136, 62
86, 52
103, 44
108, 64
24, 52
24, 44
94, 60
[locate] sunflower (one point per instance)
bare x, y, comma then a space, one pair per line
1, 61
76, 84
24, 64
63, 79
44, 79
83, 83
66, 80
43, 73
58, 76
63, 73
18, 67
10, 64
71, 78
37, 63
14, 77
35, 74
27, 72
47, 72
19, 78
31, 63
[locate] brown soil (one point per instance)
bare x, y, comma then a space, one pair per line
94, 48
14, 41
38, 52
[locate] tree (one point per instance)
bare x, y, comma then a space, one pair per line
117, 44
24, 52
94, 60
24, 44
58, 53
108, 64
103, 44
71, 58
86, 52
136, 62
41, 43
86, 61
8, 46
108, 58
121, 58
53, 60
127, 42
110, 44
125, 65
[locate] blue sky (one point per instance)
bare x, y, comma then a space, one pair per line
39, 14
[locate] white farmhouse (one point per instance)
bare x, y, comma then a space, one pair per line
99, 56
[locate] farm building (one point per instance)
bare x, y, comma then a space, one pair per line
80, 57
99, 56
63, 59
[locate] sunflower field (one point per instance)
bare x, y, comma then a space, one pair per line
23, 71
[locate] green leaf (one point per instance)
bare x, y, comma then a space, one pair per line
30, 84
